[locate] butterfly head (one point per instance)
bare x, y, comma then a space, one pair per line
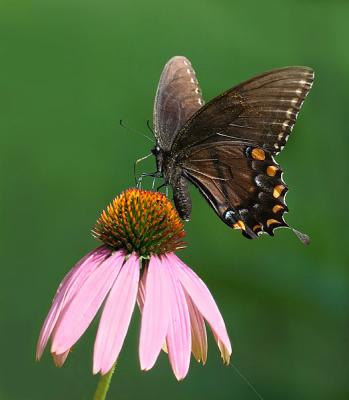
158, 153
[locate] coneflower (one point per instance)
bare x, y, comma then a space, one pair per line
140, 231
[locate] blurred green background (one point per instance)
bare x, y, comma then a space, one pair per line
69, 71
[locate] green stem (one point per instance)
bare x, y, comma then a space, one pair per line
103, 385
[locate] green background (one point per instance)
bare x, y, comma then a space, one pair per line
69, 70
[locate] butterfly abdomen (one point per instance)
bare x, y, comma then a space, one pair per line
181, 198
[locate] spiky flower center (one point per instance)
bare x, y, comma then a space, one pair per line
141, 221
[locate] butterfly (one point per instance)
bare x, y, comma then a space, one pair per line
226, 147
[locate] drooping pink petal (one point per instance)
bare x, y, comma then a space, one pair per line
225, 354
116, 316
178, 337
202, 299
66, 291
78, 314
156, 312
59, 359
198, 332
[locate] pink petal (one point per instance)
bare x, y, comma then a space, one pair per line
198, 332
155, 316
116, 316
141, 297
178, 336
66, 290
141, 290
78, 314
59, 359
202, 299
225, 354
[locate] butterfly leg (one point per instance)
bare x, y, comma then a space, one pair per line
154, 175
153, 184
140, 179
157, 175
166, 188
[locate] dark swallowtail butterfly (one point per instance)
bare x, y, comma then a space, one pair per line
226, 148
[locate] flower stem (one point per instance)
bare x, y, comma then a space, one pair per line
103, 385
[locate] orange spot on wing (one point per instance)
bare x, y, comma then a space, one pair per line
272, 170
256, 227
272, 222
278, 190
277, 208
239, 225
258, 154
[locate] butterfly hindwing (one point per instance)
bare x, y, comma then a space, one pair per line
261, 111
242, 183
177, 98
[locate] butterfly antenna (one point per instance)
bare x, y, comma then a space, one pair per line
134, 131
149, 127
135, 167
304, 238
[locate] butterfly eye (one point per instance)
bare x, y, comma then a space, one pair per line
155, 150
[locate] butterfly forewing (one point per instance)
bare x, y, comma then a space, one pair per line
177, 98
260, 111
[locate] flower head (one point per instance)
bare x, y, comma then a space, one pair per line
141, 221
136, 264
